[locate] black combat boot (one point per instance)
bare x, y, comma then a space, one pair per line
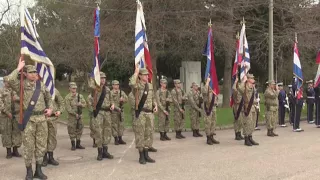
247, 141
178, 135
237, 136
166, 137
45, 160
194, 133
99, 157
116, 140
9, 154
270, 133
121, 141
94, 145
38, 173
241, 137
252, 141
142, 159
274, 134
73, 145
16, 152
29, 175
198, 133
51, 160
146, 156
209, 140
105, 153
181, 135
162, 137
214, 141
152, 149
78, 146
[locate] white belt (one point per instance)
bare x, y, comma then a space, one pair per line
310, 97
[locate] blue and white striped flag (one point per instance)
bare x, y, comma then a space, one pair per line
244, 51
30, 46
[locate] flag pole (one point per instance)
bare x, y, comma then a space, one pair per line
98, 2
21, 71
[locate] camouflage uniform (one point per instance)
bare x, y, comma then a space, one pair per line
35, 134
248, 121
117, 118
196, 110
71, 105
11, 135
164, 99
143, 125
178, 98
237, 123
271, 103
211, 119
90, 109
131, 99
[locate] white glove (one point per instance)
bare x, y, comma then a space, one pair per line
286, 106
258, 99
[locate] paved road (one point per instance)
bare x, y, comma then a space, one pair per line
289, 156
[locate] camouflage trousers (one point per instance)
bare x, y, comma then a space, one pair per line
248, 123
117, 124
35, 138
2, 119
143, 127
102, 128
11, 134
195, 119
237, 123
73, 132
163, 122
91, 125
271, 119
52, 134
210, 122
179, 121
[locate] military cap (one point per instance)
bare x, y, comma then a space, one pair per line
6, 78
280, 84
30, 69
176, 81
143, 71
310, 82
72, 85
115, 82
102, 75
272, 82
250, 76
163, 81
194, 84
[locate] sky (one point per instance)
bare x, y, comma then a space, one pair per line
13, 14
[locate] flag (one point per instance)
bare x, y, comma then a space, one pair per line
297, 71
317, 79
95, 74
234, 71
244, 53
211, 67
142, 53
31, 47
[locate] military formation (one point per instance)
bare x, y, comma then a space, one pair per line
106, 112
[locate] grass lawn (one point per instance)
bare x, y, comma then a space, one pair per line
224, 115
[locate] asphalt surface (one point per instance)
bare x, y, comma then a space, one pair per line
292, 156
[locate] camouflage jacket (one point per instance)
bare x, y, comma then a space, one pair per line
71, 103
163, 96
131, 100
271, 99
178, 97
207, 96
58, 103
115, 96
90, 103
194, 100
6, 101
108, 101
247, 93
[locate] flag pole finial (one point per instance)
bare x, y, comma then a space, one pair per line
209, 23
295, 37
243, 21
238, 35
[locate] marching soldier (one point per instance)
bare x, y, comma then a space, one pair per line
9, 106
37, 104
237, 110
119, 98
163, 100
282, 105
74, 103
317, 102
90, 109
102, 124
310, 101
271, 100
195, 100
210, 112
146, 105
179, 99
292, 105
247, 90
58, 108
298, 108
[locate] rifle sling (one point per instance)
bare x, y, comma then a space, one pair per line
143, 99
100, 102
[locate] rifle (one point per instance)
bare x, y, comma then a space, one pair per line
167, 105
120, 105
79, 112
182, 104
200, 101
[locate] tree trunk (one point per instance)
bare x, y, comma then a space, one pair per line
227, 78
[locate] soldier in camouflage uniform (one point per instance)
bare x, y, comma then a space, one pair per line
117, 115
11, 135
35, 134
101, 121
210, 115
195, 99
58, 108
247, 91
238, 119
164, 99
143, 123
178, 98
90, 109
272, 104
72, 104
